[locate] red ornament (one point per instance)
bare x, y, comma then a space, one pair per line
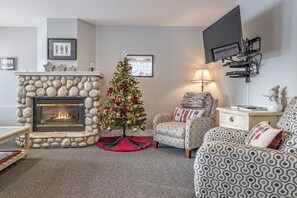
106, 111
111, 109
130, 67
128, 108
117, 101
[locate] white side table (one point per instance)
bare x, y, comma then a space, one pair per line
245, 120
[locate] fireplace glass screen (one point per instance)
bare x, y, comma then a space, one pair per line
58, 114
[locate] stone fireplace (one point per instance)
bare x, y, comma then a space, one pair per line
61, 107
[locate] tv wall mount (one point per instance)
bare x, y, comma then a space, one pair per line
249, 60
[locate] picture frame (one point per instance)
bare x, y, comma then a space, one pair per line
142, 65
61, 49
7, 63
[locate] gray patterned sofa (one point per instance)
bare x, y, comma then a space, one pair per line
187, 135
226, 167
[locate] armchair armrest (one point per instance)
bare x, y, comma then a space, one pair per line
239, 170
226, 135
161, 117
195, 131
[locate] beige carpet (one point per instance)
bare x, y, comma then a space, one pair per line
92, 172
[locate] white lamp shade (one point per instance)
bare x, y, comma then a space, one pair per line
202, 75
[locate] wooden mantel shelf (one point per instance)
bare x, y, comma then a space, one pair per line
59, 73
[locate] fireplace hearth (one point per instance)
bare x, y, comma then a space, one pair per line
58, 114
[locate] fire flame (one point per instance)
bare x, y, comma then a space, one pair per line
63, 115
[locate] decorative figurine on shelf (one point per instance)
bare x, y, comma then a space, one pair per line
92, 66
274, 99
60, 68
48, 66
72, 68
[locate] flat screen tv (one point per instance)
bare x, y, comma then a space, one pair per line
223, 39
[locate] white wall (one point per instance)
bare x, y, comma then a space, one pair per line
275, 21
86, 42
177, 53
41, 45
20, 43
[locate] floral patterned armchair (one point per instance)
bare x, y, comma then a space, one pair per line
187, 135
225, 167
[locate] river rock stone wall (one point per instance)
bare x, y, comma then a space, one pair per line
30, 86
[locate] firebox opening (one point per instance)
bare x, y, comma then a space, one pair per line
59, 114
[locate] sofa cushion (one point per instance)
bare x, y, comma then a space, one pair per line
173, 129
193, 100
182, 115
263, 135
208, 104
288, 123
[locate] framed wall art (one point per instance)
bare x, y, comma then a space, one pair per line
61, 49
142, 65
7, 63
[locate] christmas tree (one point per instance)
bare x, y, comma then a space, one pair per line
124, 107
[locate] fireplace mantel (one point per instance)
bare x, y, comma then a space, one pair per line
59, 73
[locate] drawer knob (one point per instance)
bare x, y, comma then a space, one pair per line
231, 119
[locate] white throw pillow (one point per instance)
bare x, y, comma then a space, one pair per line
263, 135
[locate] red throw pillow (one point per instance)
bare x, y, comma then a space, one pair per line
182, 115
263, 135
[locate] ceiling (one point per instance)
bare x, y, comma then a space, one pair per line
115, 12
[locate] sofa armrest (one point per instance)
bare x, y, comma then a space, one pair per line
238, 170
226, 135
196, 129
161, 117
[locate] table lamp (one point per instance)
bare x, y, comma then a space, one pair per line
202, 76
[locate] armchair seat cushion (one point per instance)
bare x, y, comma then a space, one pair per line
172, 129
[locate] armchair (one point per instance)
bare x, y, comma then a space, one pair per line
226, 167
186, 135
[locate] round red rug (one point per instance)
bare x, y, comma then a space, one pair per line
124, 144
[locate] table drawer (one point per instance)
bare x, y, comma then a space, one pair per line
234, 120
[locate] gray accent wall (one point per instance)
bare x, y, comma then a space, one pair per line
84, 32
61, 28
177, 53
21, 43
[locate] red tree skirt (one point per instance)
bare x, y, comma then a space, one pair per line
124, 144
